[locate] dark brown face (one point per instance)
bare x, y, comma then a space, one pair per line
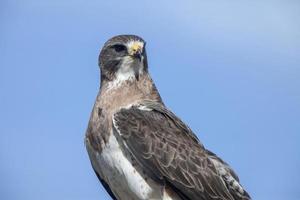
123, 57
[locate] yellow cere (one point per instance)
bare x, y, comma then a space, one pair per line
136, 46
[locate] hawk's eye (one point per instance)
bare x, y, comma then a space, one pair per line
119, 48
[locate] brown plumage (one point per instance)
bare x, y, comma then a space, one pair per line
138, 148
111, 100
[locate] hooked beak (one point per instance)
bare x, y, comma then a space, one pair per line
136, 50
138, 56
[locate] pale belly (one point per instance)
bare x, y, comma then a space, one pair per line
124, 178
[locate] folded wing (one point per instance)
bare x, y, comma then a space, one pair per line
170, 151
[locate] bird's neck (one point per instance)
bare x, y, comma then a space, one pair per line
114, 95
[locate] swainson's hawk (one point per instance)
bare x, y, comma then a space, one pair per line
138, 148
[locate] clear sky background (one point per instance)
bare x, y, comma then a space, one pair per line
229, 69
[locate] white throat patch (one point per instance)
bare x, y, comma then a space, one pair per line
126, 71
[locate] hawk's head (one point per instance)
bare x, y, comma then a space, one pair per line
123, 58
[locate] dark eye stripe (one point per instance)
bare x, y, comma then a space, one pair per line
119, 47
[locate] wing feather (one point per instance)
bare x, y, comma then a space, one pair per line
164, 145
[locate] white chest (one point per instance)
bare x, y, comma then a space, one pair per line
124, 179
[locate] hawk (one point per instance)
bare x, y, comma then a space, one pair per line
138, 148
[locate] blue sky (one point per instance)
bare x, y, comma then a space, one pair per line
229, 69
